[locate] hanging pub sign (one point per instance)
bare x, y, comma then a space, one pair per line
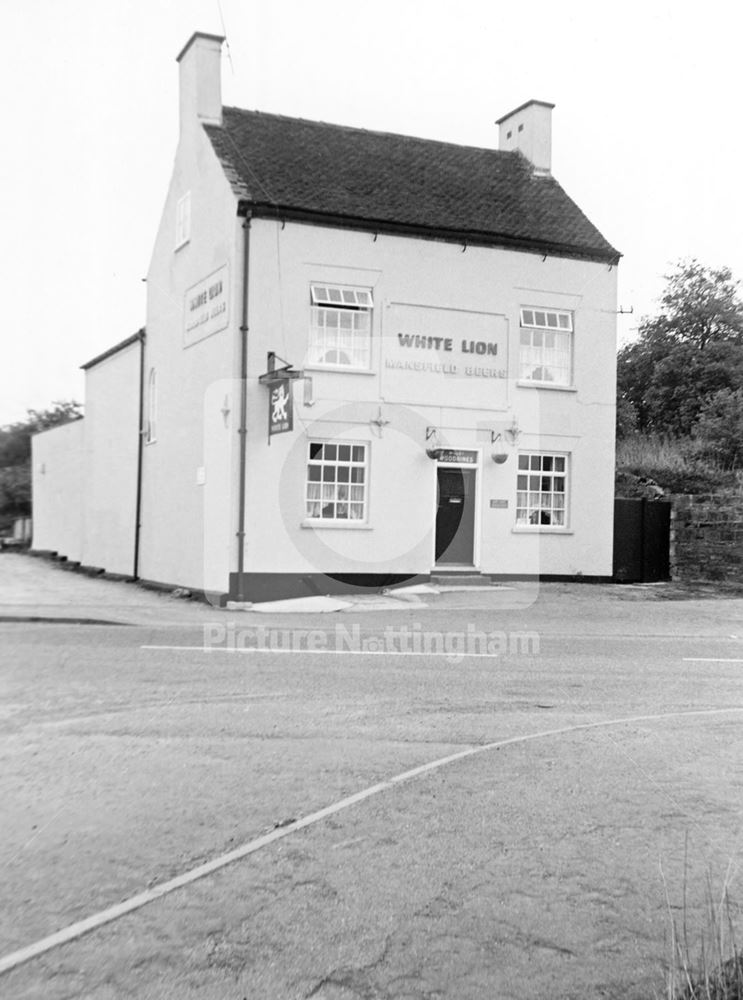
280, 411
278, 381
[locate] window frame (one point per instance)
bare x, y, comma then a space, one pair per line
330, 300
183, 220
535, 320
548, 468
150, 429
329, 458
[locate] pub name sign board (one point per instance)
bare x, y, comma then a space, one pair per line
435, 353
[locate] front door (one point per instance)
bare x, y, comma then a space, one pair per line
455, 516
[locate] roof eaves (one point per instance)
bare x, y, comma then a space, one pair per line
122, 345
467, 237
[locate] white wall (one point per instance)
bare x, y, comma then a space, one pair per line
188, 470
190, 473
111, 446
58, 489
399, 535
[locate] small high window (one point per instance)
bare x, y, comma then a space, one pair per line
150, 429
546, 346
340, 326
183, 220
541, 490
337, 476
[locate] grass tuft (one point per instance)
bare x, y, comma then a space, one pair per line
716, 972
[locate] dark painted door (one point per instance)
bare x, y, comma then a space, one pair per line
455, 516
642, 531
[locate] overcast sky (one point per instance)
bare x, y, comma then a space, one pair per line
647, 134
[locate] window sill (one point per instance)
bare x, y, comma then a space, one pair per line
336, 525
347, 369
541, 529
529, 384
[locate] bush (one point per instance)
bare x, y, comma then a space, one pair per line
720, 427
677, 465
626, 418
15, 491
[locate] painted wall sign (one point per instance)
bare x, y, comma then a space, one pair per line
448, 356
280, 411
206, 307
457, 456
499, 504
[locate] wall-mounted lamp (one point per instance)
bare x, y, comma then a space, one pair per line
499, 457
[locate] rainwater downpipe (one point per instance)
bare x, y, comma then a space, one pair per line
243, 209
140, 451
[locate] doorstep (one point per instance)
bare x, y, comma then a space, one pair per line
466, 576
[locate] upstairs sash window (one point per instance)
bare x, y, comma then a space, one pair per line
340, 326
546, 346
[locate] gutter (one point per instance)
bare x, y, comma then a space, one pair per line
263, 210
112, 350
141, 336
245, 212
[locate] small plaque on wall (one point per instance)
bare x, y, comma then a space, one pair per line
499, 504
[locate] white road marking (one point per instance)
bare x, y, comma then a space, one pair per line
325, 652
81, 927
709, 659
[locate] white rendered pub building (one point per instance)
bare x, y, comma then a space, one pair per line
368, 358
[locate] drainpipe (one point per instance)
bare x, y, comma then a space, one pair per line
244, 210
140, 449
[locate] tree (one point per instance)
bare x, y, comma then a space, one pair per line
701, 305
15, 456
690, 351
686, 378
626, 417
15, 492
15, 439
636, 365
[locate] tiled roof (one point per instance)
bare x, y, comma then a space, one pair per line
376, 180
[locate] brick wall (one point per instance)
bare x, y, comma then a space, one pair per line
707, 537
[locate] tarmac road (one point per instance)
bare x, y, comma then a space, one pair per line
538, 868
